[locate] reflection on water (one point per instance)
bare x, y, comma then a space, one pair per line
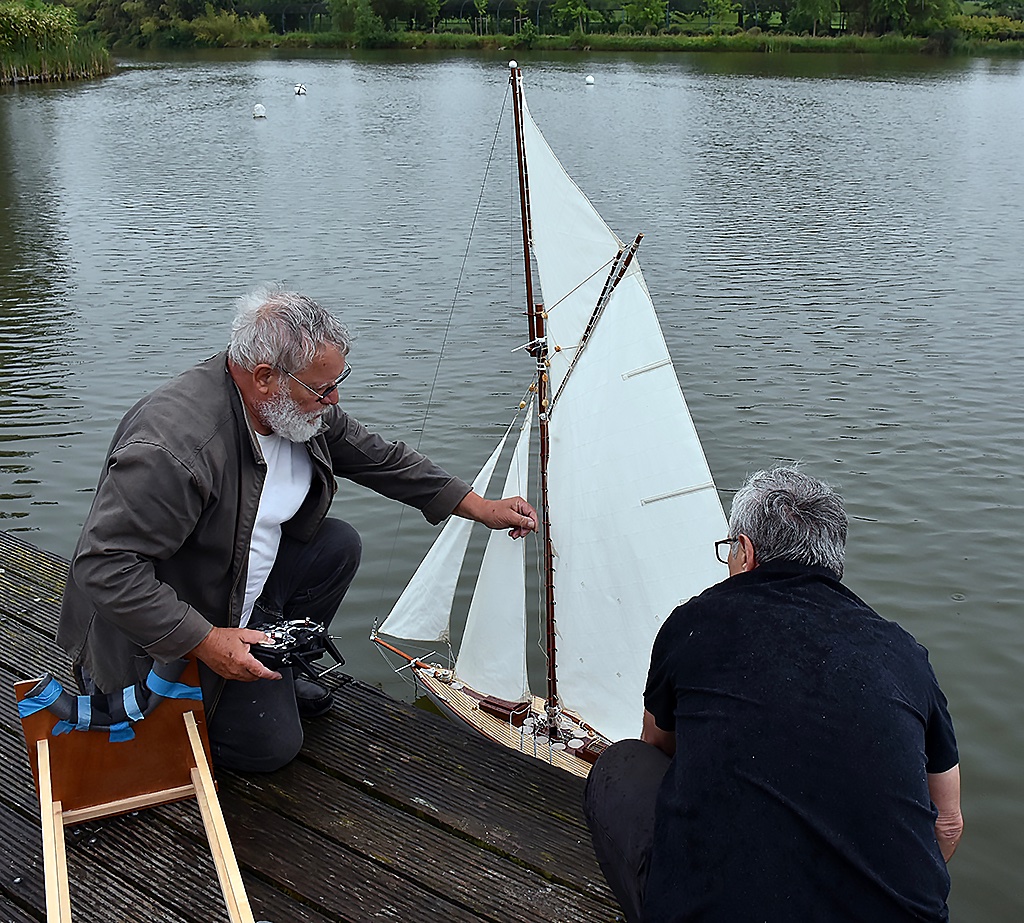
36, 337
833, 245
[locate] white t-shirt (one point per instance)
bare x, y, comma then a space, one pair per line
289, 474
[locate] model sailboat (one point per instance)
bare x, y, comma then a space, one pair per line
628, 507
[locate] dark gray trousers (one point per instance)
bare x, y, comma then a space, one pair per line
619, 802
255, 726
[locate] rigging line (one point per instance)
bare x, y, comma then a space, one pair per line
584, 281
444, 341
618, 271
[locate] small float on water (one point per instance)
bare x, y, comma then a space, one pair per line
300, 89
259, 111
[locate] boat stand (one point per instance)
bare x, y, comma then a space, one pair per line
83, 775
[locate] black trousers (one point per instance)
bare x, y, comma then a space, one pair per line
255, 727
619, 803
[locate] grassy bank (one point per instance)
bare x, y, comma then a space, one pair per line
951, 42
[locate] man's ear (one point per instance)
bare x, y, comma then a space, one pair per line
747, 548
263, 378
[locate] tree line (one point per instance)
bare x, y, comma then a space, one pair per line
369, 23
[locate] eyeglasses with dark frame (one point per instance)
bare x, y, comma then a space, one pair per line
727, 543
322, 396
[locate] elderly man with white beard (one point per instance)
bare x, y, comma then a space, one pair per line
210, 522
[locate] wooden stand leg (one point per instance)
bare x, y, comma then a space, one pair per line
216, 831
55, 866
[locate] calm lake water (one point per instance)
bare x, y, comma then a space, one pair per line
834, 245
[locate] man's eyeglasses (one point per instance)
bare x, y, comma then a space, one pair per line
724, 547
322, 396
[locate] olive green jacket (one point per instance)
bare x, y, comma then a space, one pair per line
163, 553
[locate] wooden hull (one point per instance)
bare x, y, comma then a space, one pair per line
456, 700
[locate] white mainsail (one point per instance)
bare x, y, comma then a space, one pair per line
634, 511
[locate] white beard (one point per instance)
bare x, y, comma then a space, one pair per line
285, 418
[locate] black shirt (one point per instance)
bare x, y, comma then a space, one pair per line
805, 725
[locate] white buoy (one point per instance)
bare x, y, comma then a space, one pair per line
300, 89
259, 111
590, 80
512, 65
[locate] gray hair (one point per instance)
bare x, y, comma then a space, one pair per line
790, 515
283, 329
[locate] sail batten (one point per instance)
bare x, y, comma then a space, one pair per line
681, 492
661, 363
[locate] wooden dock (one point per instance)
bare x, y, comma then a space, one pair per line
389, 813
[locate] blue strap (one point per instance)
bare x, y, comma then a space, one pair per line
121, 731
131, 704
32, 704
84, 713
172, 690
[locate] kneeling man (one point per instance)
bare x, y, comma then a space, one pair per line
797, 760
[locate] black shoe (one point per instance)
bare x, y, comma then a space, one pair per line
313, 699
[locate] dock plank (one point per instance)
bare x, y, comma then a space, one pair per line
389, 812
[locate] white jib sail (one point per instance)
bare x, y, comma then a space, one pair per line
492, 656
634, 511
424, 609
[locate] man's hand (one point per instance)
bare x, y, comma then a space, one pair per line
226, 652
512, 513
652, 734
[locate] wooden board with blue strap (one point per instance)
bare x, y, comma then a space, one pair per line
98, 756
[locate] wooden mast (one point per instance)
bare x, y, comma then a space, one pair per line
538, 349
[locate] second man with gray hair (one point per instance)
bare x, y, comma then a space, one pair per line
797, 759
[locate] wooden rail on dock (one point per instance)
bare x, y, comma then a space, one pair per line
389, 812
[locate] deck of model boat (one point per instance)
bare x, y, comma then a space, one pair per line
390, 812
464, 707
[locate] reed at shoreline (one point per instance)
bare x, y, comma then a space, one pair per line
41, 42
83, 61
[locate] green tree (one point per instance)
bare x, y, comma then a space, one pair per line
36, 26
369, 20
644, 15
718, 10
369, 25
576, 12
481, 15
881, 16
810, 14
343, 15
140, 23
1012, 9
888, 15
526, 36
226, 29
423, 13
929, 15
